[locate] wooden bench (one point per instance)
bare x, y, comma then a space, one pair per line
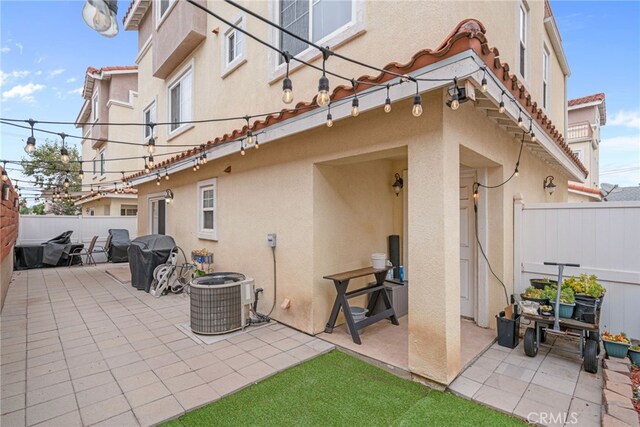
341, 282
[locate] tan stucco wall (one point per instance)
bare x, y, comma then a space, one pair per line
113, 206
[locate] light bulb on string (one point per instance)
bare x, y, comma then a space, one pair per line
151, 162
166, 174
158, 179
101, 15
520, 122
81, 172
257, 144
387, 102
242, 152
323, 97
455, 98
329, 118
64, 154
146, 166
355, 103
287, 86
30, 147
417, 103
151, 144
66, 183
483, 84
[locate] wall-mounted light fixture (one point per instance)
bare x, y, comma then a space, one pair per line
398, 184
6, 191
16, 202
168, 197
549, 185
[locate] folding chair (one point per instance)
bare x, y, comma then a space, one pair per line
107, 246
79, 252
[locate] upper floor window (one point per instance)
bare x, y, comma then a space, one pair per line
207, 206
149, 117
522, 43
181, 99
163, 8
102, 163
234, 48
94, 107
312, 20
95, 167
128, 210
545, 77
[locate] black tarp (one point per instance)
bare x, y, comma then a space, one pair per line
119, 248
52, 253
145, 254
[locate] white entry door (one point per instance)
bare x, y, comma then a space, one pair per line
157, 212
467, 240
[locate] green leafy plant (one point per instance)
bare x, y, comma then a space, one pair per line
532, 292
566, 294
585, 285
635, 347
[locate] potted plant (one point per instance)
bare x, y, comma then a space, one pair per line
634, 354
616, 345
546, 310
589, 294
567, 300
537, 295
540, 283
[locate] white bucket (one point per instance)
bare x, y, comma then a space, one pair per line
379, 260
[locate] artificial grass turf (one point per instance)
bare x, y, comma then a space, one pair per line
341, 390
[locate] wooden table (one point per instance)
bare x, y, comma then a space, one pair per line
341, 282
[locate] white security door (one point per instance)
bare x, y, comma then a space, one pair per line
467, 259
157, 213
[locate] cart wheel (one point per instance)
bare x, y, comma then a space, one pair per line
530, 344
590, 361
595, 335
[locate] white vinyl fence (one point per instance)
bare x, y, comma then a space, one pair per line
604, 238
40, 228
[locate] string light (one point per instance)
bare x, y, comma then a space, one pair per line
329, 117
146, 166
287, 86
166, 174
242, 152
483, 84
455, 99
151, 162
64, 154
5, 177
533, 135
151, 144
501, 109
257, 144
387, 102
81, 173
249, 132
30, 147
520, 122
158, 179
355, 103
417, 103
323, 98
66, 181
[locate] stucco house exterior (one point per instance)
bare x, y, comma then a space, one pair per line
586, 115
327, 191
110, 95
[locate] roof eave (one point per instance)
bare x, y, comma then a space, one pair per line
556, 42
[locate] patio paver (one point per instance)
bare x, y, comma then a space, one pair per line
79, 348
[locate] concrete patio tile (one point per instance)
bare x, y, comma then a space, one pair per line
83, 349
150, 352
251, 344
137, 381
47, 368
191, 352
172, 370
492, 353
77, 343
523, 361
71, 419
241, 361
267, 351
498, 399
183, 382
8, 390
47, 380
196, 397
146, 394
20, 365
554, 382
173, 336
589, 393
104, 410
12, 377
84, 359
90, 381
162, 360
11, 404
88, 369
46, 394
270, 337
51, 409
507, 383
465, 386
212, 348
587, 413
228, 352
320, 346
43, 351
126, 419
302, 353
118, 351
129, 370
13, 419
148, 343
112, 342
13, 357
202, 361
229, 383
279, 361
522, 374
286, 344
182, 344
161, 410
123, 359
547, 397
257, 371
98, 394
240, 338
213, 372
477, 373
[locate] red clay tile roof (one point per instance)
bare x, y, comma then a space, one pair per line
92, 70
592, 98
584, 189
125, 191
129, 9
468, 34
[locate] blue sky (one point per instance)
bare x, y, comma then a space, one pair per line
46, 47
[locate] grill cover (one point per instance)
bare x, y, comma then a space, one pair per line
119, 248
145, 254
215, 306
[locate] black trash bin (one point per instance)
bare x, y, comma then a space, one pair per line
145, 254
508, 330
119, 247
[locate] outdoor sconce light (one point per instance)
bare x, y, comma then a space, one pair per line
101, 15
457, 95
397, 186
549, 185
16, 202
168, 197
6, 191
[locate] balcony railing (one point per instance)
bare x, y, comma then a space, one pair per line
581, 130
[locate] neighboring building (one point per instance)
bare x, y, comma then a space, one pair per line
110, 95
585, 117
327, 192
614, 193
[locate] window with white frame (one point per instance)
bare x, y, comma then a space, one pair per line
233, 47
95, 166
149, 117
181, 99
522, 42
128, 210
546, 56
207, 208
311, 19
102, 163
94, 107
163, 7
